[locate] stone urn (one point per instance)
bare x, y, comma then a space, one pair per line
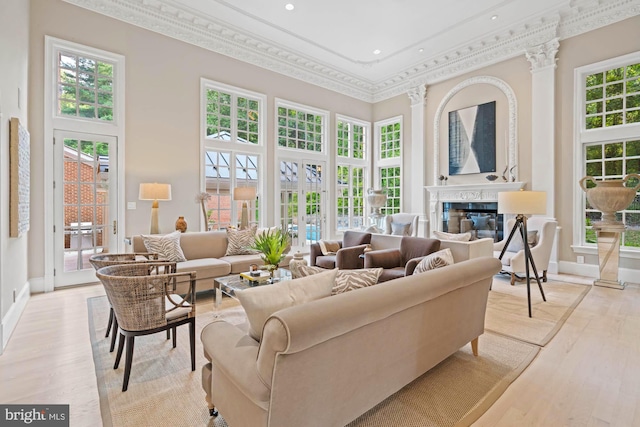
376, 199
610, 196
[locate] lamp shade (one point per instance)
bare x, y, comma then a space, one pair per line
244, 193
155, 191
522, 202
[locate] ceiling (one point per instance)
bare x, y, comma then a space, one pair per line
331, 42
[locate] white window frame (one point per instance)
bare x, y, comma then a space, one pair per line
381, 163
352, 162
234, 146
52, 121
582, 137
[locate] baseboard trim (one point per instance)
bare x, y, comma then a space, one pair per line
37, 285
10, 321
627, 275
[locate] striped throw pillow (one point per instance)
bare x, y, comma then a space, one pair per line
167, 247
239, 242
435, 260
346, 280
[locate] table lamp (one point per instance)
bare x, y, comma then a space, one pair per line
154, 192
521, 203
245, 194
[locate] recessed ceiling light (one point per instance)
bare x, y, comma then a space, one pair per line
377, 52
289, 6
421, 50
494, 17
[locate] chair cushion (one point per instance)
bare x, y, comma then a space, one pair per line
326, 261
328, 247
460, 237
398, 229
261, 302
435, 260
240, 241
167, 247
391, 273
346, 280
516, 244
205, 268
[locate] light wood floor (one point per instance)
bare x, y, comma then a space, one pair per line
589, 375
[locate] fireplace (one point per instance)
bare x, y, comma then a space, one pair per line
468, 208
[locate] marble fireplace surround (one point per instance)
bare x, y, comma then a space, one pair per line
438, 194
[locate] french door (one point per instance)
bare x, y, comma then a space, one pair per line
302, 204
85, 203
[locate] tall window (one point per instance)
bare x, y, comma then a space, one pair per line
85, 86
389, 162
608, 138
301, 127
352, 143
233, 125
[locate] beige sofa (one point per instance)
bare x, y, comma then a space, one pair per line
205, 253
326, 362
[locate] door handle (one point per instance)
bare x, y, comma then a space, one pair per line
115, 227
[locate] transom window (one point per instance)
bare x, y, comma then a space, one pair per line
232, 114
85, 87
351, 139
390, 140
614, 160
301, 128
612, 97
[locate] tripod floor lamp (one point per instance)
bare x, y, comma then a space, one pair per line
521, 203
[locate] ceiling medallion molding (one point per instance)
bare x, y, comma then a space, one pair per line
543, 56
165, 17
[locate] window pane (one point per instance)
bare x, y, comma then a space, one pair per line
594, 79
633, 148
594, 94
615, 74
594, 122
613, 150
594, 107
594, 152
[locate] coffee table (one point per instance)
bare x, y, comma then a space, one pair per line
233, 282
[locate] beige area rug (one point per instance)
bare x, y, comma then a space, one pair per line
164, 392
507, 311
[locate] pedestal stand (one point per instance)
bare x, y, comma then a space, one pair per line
609, 254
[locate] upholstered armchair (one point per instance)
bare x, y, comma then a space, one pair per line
401, 262
347, 257
542, 231
402, 224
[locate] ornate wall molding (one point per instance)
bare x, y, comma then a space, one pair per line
418, 95
543, 56
166, 17
513, 112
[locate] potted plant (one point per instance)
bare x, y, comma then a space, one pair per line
272, 245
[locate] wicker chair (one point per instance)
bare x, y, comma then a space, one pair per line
144, 303
105, 260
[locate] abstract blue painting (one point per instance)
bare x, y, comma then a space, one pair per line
472, 139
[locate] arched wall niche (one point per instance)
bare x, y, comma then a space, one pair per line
498, 87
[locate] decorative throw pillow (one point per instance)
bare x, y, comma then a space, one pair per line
435, 260
346, 280
167, 246
239, 242
398, 229
328, 247
516, 244
480, 222
460, 237
260, 302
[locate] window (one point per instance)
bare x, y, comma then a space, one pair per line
614, 160
85, 86
233, 114
352, 143
612, 97
225, 170
389, 162
301, 127
607, 137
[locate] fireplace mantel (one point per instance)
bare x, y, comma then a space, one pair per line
464, 193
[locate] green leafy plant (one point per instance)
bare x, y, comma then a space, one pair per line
272, 245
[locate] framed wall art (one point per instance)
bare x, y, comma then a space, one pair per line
472, 139
19, 181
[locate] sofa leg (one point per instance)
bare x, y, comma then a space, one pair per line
474, 346
513, 279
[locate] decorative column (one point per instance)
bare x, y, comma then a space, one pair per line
415, 179
543, 66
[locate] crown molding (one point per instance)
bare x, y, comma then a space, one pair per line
163, 16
